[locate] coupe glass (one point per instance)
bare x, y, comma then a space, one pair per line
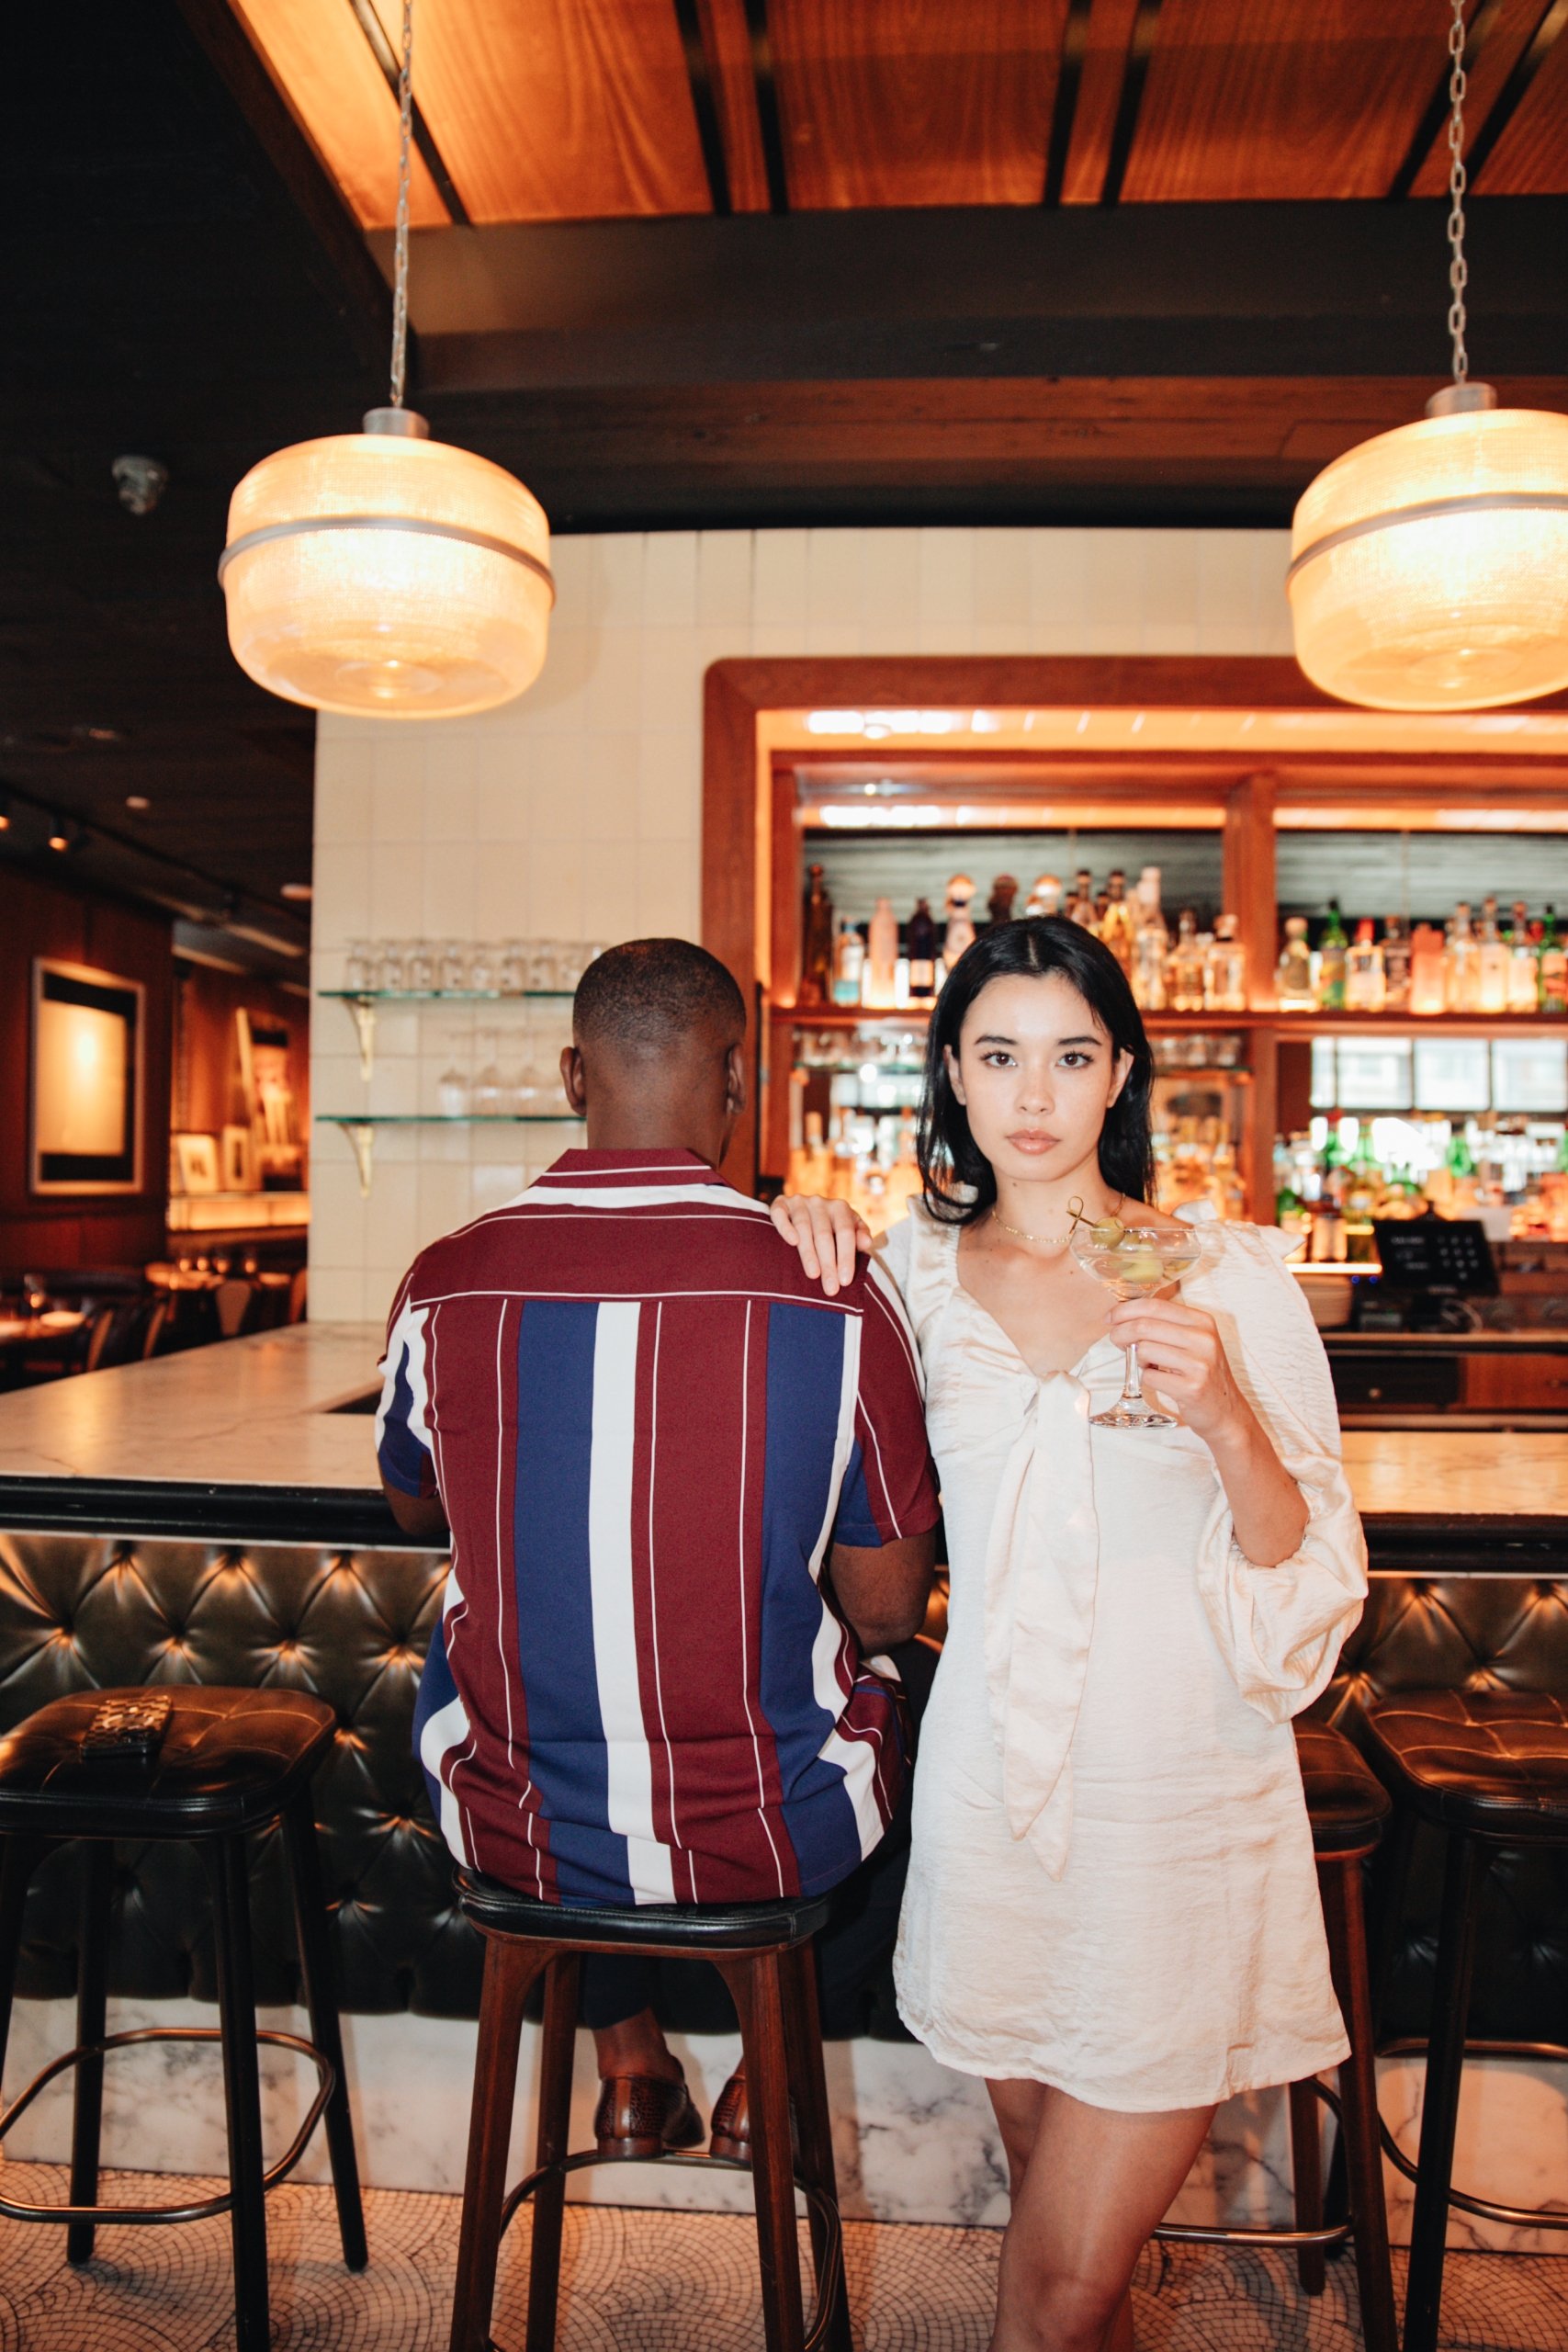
1141, 1259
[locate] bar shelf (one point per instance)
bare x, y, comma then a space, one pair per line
360, 1127
362, 1005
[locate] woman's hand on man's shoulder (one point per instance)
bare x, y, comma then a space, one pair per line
826, 1233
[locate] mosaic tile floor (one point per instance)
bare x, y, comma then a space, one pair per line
664, 2283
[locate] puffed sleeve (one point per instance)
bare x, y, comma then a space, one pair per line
892, 1253
1279, 1630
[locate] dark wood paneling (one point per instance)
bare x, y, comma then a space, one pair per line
206, 1053
916, 101
1531, 154
1282, 99
112, 1230
728, 40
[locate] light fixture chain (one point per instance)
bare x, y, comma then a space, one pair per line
400, 239
1459, 273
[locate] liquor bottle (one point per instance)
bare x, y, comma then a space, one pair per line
1184, 974
1461, 970
1428, 970
1292, 977
1045, 898
1553, 971
1365, 986
816, 941
1396, 965
1492, 962
879, 984
921, 943
960, 932
1080, 904
1004, 890
1331, 1164
1116, 927
1150, 943
1331, 951
849, 965
1224, 984
1524, 964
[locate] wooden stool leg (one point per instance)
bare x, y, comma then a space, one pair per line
230, 1881
1464, 1870
313, 1937
1345, 1915
552, 2143
802, 2027
22, 1857
510, 1966
755, 1986
1306, 2171
92, 2012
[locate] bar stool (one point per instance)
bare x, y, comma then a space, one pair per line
231, 1762
1348, 1809
762, 1951
1489, 1768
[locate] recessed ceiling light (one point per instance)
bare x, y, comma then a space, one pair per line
98, 734
59, 833
297, 890
4, 814
137, 800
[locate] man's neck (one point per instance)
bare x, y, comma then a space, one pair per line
611, 1133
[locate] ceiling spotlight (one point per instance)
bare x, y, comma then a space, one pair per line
297, 890
4, 814
59, 833
140, 482
137, 800
98, 734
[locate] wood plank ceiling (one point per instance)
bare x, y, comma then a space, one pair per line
593, 110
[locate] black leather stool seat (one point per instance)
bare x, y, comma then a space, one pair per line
735, 1926
1493, 1762
1347, 1803
228, 1761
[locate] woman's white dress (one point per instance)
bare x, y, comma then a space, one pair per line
1111, 1887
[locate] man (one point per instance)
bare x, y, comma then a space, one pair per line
687, 1496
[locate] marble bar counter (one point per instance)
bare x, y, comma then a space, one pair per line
217, 1515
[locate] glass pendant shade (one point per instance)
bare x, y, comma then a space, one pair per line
381, 574
1429, 565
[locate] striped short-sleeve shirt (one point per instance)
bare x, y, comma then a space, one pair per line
647, 1429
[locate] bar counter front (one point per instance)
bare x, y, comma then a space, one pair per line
214, 1517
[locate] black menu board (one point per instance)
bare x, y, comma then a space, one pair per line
1436, 1253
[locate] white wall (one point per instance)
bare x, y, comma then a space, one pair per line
575, 811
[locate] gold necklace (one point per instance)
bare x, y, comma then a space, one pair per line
1046, 1240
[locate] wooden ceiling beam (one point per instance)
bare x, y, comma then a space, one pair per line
1065, 105
1548, 33
386, 57
700, 74
1129, 105
767, 104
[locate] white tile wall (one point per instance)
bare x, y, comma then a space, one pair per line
576, 811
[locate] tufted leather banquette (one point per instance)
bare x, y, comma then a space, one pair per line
78, 1611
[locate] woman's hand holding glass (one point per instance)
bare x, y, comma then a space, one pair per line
827, 1233
1180, 1350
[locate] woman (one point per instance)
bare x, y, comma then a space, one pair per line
1112, 1911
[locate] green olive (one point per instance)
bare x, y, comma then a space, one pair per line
1140, 1266
1108, 1233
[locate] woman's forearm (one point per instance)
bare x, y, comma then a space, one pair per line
1267, 1508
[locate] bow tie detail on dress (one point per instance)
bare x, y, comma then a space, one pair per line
1042, 1570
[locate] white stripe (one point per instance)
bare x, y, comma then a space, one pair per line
628, 1763
503, 1551
405, 1344
446, 1731
626, 1196
657, 1294
653, 1565
855, 1758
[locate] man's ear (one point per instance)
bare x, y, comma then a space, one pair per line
735, 1082
574, 1079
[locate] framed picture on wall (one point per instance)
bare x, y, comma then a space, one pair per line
85, 1091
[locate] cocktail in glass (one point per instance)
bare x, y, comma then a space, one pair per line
1133, 1261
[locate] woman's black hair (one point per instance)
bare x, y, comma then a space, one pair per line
958, 1180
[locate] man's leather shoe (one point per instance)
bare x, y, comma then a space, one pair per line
644, 2115
731, 2135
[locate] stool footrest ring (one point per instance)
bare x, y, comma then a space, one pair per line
1486, 2209
833, 2254
143, 2216
1263, 2233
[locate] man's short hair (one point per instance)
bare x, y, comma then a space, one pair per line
651, 995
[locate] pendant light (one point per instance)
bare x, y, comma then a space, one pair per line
1429, 566
382, 573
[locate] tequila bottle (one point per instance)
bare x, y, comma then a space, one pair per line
1365, 986
1524, 964
1293, 977
1184, 977
1396, 965
1150, 944
1492, 961
1116, 926
1225, 988
1462, 966
1331, 955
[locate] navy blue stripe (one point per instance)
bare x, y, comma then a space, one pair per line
436, 1690
806, 1352
404, 1461
567, 1756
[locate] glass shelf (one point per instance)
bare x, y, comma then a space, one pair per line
360, 1127
362, 1004
448, 995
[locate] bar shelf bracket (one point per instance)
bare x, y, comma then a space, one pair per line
361, 1134
361, 1010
